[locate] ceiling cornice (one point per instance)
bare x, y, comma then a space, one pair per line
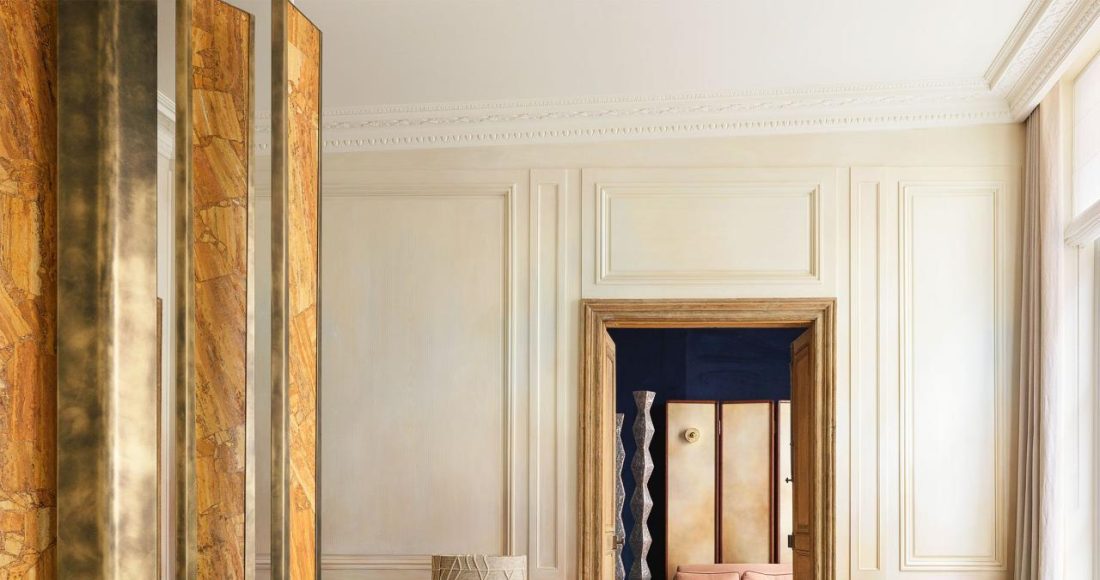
529, 121
1030, 61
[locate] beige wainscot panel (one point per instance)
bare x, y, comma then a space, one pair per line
651, 232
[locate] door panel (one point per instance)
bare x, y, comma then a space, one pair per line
691, 497
607, 444
802, 445
785, 512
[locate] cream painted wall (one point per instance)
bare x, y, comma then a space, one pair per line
451, 286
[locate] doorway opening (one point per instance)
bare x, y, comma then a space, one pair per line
721, 484
729, 386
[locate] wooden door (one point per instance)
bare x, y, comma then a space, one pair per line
785, 497
802, 444
610, 543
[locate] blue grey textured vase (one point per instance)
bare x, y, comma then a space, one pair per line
641, 503
620, 496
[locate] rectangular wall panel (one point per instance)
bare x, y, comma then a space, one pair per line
704, 232
420, 378
28, 288
866, 207
952, 489
748, 473
549, 373
220, 79
688, 231
692, 439
296, 173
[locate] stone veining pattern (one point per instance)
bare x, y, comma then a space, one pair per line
303, 247
221, 94
28, 288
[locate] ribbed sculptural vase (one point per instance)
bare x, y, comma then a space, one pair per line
641, 503
620, 497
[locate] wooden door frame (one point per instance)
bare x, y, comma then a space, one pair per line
816, 314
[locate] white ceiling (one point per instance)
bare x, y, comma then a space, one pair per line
424, 72
426, 51
443, 51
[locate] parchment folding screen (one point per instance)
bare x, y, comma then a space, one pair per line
721, 483
215, 232
28, 287
296, 259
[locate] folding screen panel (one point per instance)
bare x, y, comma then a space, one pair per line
28, 287
692, 439
214, 193
296, 258
748, 472
107, 304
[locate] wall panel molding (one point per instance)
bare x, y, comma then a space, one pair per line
700, 229
710, 197
976, 410
866, 370
487, 196
548, 379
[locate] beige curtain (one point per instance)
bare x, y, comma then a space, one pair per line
1039, 505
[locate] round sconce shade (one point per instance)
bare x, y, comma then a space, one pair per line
479, 567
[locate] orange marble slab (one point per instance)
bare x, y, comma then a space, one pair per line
303, 266
28, 288
221, 102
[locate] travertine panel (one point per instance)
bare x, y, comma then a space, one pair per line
28, 288
221, 45
303, 263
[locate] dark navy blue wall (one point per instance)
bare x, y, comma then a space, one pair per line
713, 364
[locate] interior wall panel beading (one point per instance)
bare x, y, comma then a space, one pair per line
28, 288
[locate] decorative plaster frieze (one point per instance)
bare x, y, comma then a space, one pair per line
1030, 59
858, 107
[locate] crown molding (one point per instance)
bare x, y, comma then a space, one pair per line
534, 121
1032, 58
